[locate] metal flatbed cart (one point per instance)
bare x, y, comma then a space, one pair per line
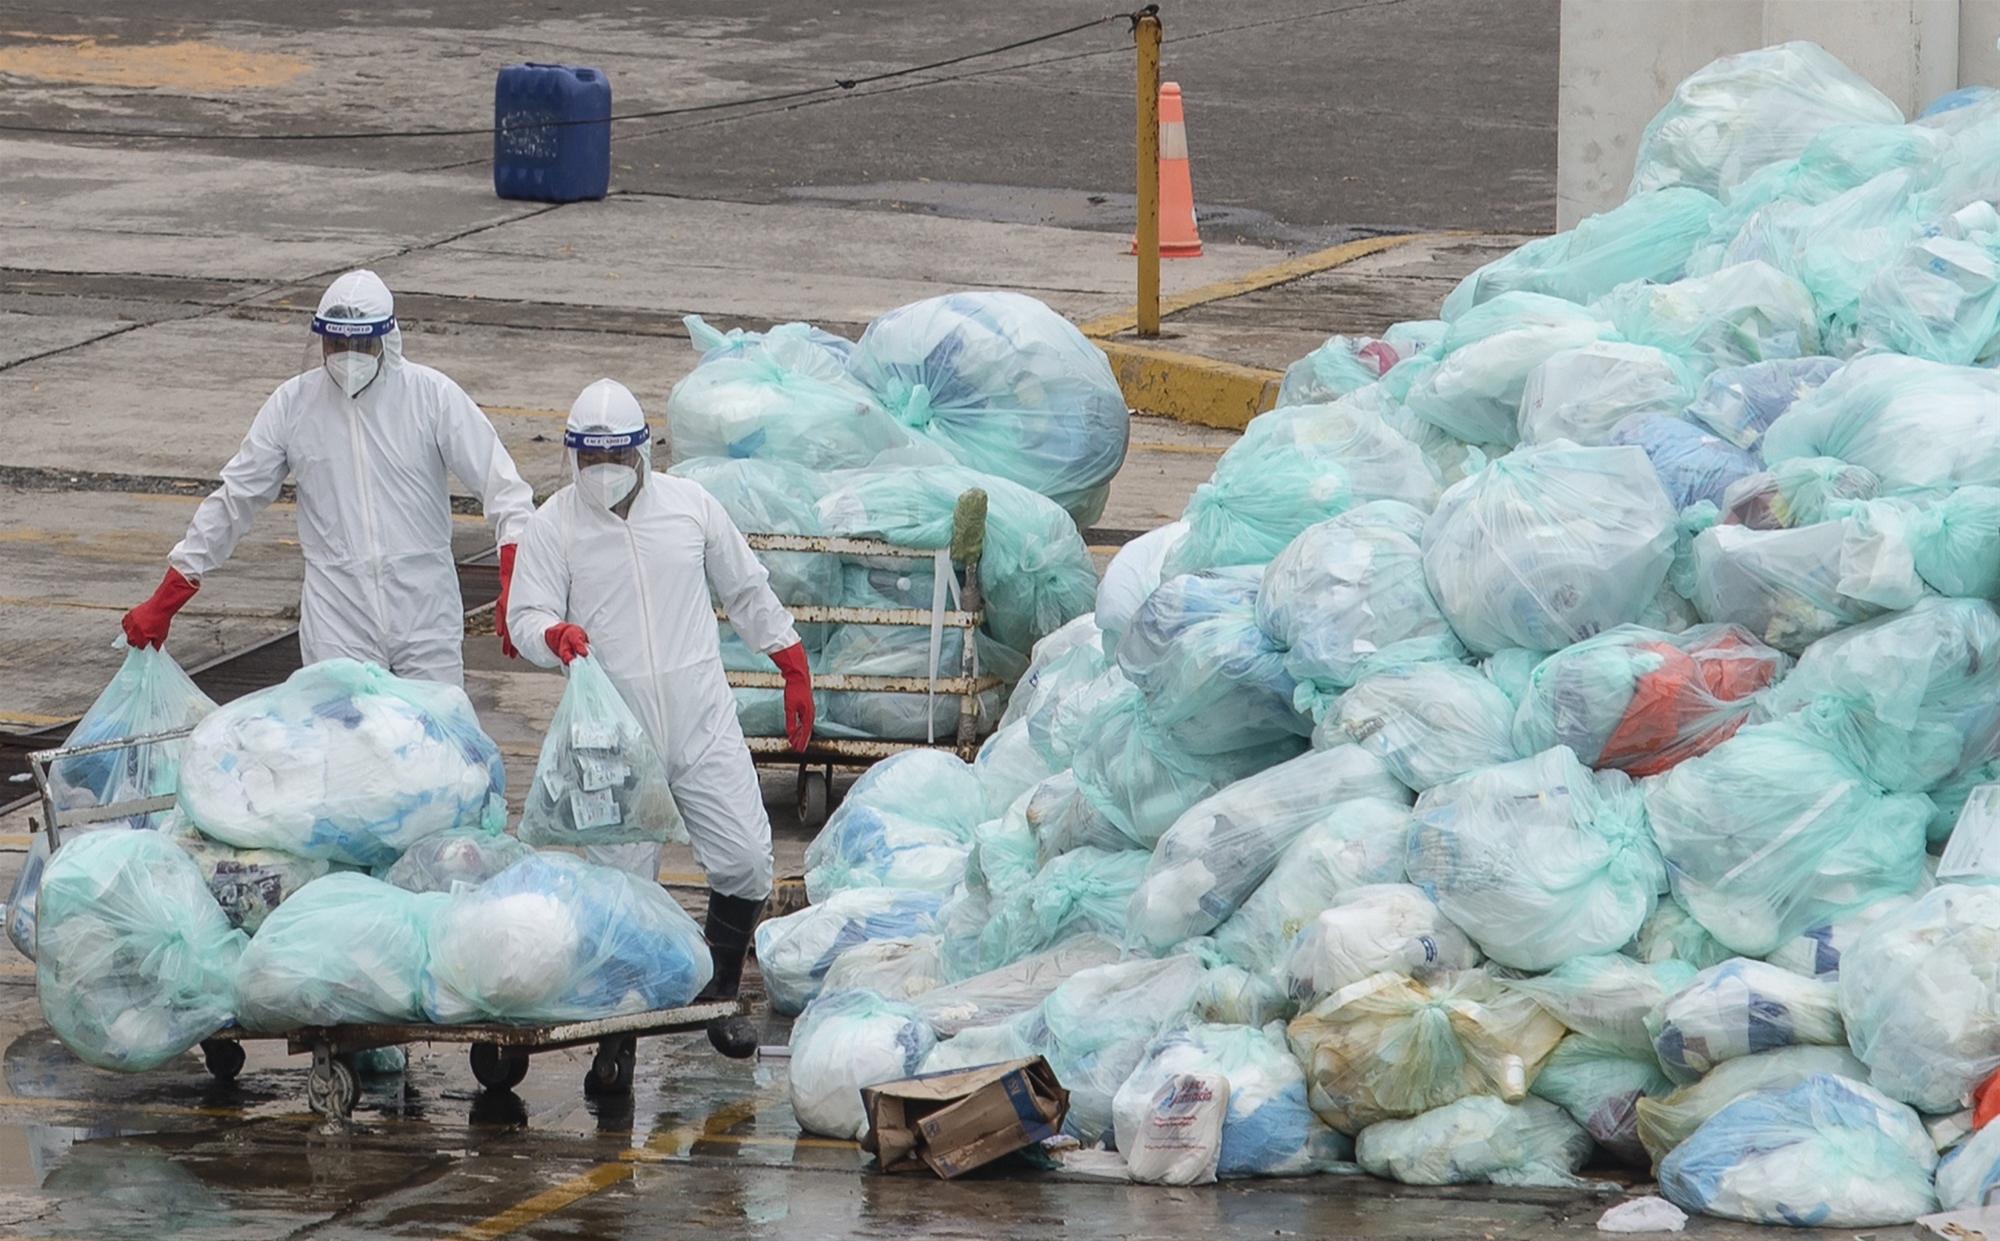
815, 766
499, 1052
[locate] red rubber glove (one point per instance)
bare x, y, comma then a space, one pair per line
146, 625
798, 694
567, 641
500, 607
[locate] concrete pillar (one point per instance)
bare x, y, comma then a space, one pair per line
1621, 59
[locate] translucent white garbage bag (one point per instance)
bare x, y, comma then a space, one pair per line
1477, 1140
1828, 1153
1216, 854
148, 694
1744, 313
1912, 422
899, 969
794, 952
1549, 545
1086, 890
1214, 681
1790, 588
1473, 389
1266, 1128
847, 1040
1581, 394
907, 823
1740, 403
1970, 1170
1094, 1029
1647, 237
345, 762
1364, 845
440, 863
1739, 1008
1133, 573
1539, 860
1667, 1120
1365, 931
1427, 722
1001, 994
1607, 998
600, 779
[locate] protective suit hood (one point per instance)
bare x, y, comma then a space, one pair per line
356, 307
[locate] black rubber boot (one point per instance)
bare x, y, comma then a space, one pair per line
731, 922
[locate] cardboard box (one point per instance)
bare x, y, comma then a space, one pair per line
954, 1122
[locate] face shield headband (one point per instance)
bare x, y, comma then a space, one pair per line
604, 441
349, 329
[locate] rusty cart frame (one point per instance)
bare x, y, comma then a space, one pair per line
499, 1052
815, 765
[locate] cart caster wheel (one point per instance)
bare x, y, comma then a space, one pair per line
332, 1088
735, 1037
224, 1057
611, 1071
814, 791
498, 1068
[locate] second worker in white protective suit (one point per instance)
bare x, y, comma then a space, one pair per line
619, 565
368, 438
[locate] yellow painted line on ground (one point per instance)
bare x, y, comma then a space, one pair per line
29, 717
114, 1106
1262, 278
684, 1141
548, 1202
17, 601
1190, 388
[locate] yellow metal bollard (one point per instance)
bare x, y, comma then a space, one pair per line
1146, 35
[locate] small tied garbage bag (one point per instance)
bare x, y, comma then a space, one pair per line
599, 780
1477, 1140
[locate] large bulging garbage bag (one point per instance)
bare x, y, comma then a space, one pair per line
900, 968
795, 952
1641, 700
1213, 680
1581, 394
1740, 1008
1294, 467
1790, 588
1828, 1153
1035, 571
1427, 722
1607, 998
1549, 545
1002, 994
599, 779
1918, 993
345, 949
1348, 596
846, 1041
1094, 1029
1361, 846
1647, 237
1912, 422
1216, 854
1748, 312
906, 823
1477, 1140
1665, 1121
1911, 699
1268, 1129
1473, 391
1941, 298
1768, 834
556, 938
773, 497
1365, 931
781, 395
1692, 463
1006, 386
1538, 860
345, 762
148, 694
440, 863
1744, 112
248, 883
1956, 543
1388, 1046
135, 960
1083, 891
1739, 403
904, 651
1599, 1084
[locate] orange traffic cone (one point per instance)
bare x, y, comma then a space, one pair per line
1178, 238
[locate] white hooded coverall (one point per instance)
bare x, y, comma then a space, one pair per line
374, 514
639, 587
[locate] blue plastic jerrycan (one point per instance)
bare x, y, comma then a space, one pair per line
551, 133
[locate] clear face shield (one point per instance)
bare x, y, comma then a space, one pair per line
352, 350
608, 466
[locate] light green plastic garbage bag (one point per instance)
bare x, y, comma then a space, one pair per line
1747, 312
1768, 834
1607, 998
148, 694
1647, 237
1472, 391
1427, 722
346, 949
1362, 845
599, 780
1599, 1084
1914, 423
1477, 1140
135, 958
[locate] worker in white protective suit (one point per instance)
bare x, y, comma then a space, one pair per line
368, 436
619, 565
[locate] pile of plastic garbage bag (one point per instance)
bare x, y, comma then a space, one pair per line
1541, 730
336, 855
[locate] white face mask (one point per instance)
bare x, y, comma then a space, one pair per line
353, 371
608, 484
